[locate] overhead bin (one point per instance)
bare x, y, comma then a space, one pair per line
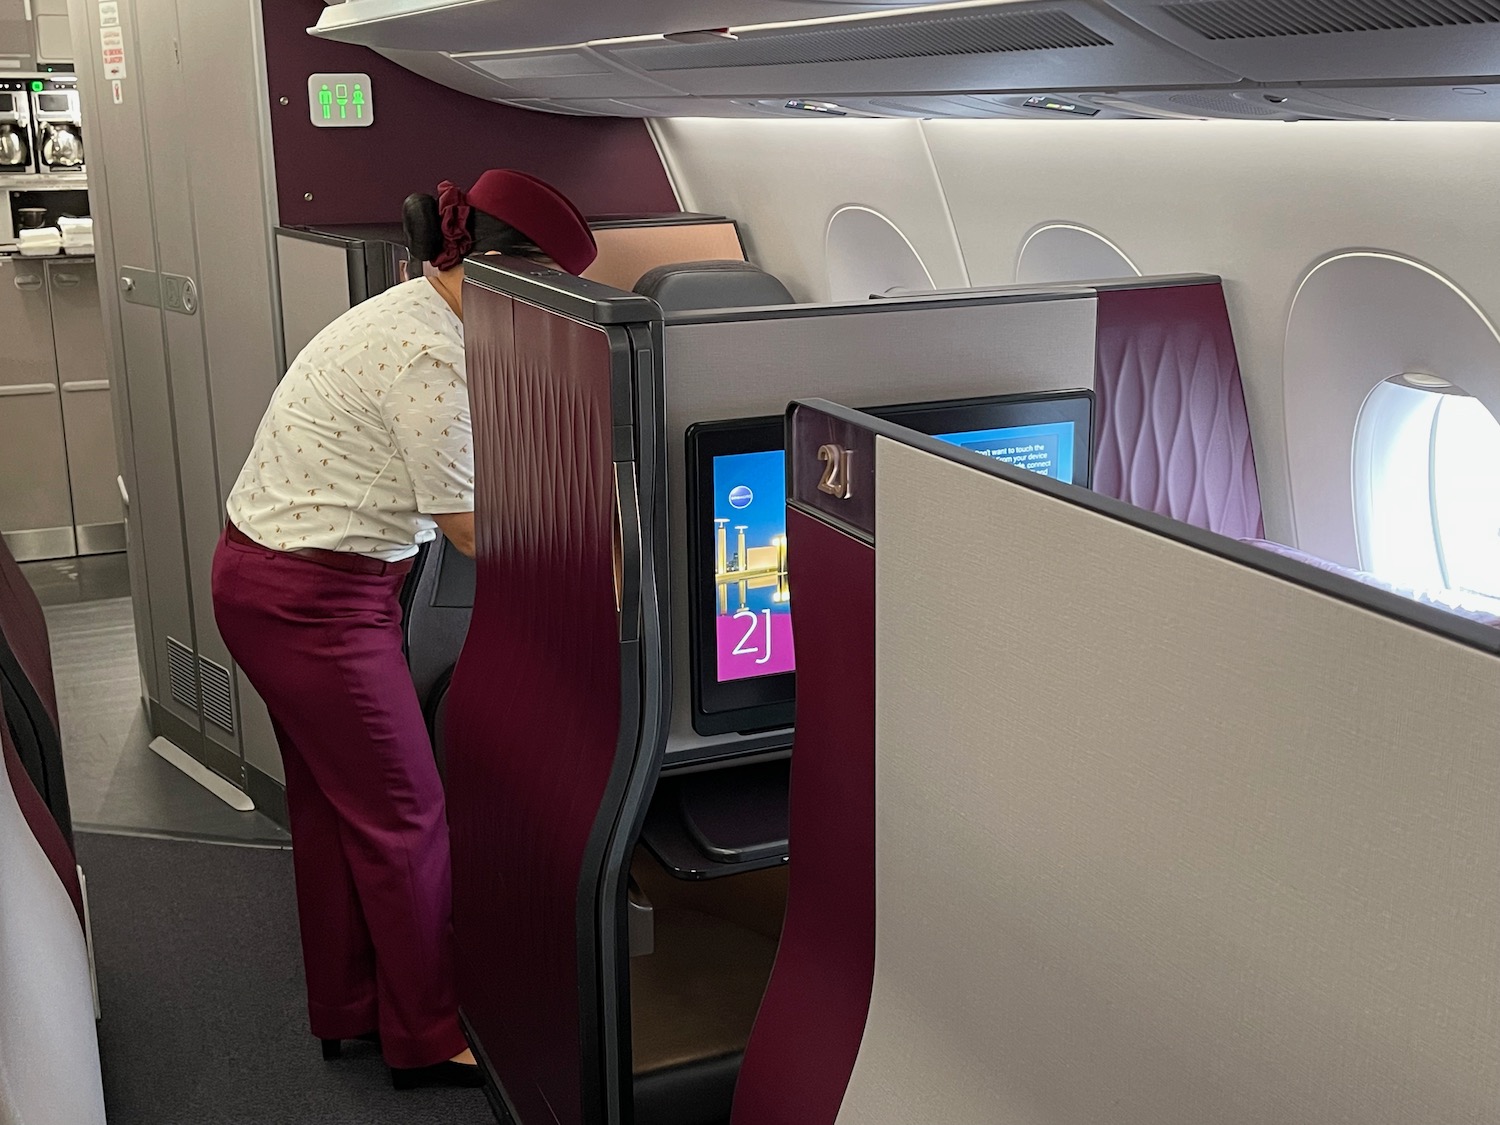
504, 25
1330, 40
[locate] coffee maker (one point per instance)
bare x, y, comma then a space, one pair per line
17, 142
59, 124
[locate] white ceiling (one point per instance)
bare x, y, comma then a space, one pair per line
1252, 59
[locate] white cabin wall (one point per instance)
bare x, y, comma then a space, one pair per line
784, 180
1258, 203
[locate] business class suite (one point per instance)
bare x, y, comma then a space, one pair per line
986, 591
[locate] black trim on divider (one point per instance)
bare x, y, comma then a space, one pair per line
37, 742
945, 299
560, 292
652, 688
598, 973
494, 1090
1428, 618
952, 299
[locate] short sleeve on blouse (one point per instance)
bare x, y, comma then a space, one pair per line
427, 412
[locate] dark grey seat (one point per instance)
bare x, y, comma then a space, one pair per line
712, 285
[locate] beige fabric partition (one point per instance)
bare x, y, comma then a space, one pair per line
1164, 839
868, 354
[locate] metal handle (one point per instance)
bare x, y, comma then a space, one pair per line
127, 283
124, 495
85, 385
65, 280
28, 282
627, 552
27, 5
15, 390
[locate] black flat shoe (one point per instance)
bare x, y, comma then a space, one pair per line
334, 1048
439, 1074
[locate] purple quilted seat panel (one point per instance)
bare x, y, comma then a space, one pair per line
1173, 434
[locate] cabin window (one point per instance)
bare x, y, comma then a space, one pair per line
869, 256
1427, 486
1062, 252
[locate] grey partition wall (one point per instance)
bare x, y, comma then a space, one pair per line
1172, 830
750, 362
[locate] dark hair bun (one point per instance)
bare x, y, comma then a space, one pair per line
424, 229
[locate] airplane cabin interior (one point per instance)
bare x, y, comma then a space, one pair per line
1114, 383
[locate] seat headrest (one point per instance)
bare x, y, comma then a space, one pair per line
711, 285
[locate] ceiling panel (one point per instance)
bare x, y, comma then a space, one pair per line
505, 25
1331, 40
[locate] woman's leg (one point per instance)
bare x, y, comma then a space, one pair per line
337, 955
323, 648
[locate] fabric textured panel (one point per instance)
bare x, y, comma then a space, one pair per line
807, 1035
534, 710
1172, 432
49, 1056
1226, 849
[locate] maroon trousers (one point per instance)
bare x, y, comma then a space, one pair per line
369, 835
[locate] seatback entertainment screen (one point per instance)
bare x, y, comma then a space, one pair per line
744, 652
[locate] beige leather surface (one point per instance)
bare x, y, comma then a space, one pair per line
627, 253
1164, 840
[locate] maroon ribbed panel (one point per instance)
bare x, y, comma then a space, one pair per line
39, 818
424, 133
534, 707
808, 1032
1173, 432
25, 630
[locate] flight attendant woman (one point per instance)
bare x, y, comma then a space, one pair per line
364, 453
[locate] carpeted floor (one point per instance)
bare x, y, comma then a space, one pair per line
200, 980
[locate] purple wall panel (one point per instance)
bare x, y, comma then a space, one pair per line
534, 709
807, 1036
1174, 436
24, 628
424, 133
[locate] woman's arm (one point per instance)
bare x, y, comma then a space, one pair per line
459, 528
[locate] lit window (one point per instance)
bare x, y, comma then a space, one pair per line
1427, 487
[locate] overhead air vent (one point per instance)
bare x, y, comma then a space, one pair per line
218, 694
553, 64
979, 33
1270, 19
1223, 105
182, 674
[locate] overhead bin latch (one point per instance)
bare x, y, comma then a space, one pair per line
712, 35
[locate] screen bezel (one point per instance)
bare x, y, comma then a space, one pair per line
994, 412
732, 706
765, 703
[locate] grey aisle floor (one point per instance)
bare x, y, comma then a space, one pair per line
200, 980
115, 782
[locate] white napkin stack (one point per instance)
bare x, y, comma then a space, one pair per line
40, 242
77, 235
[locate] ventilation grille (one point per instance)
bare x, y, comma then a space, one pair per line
982, 33
218, 694
182, 674
1269, 19
567, 64
1225, 105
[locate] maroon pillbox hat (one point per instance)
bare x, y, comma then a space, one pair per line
535, 208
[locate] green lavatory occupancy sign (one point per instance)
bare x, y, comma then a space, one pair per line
340, 101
